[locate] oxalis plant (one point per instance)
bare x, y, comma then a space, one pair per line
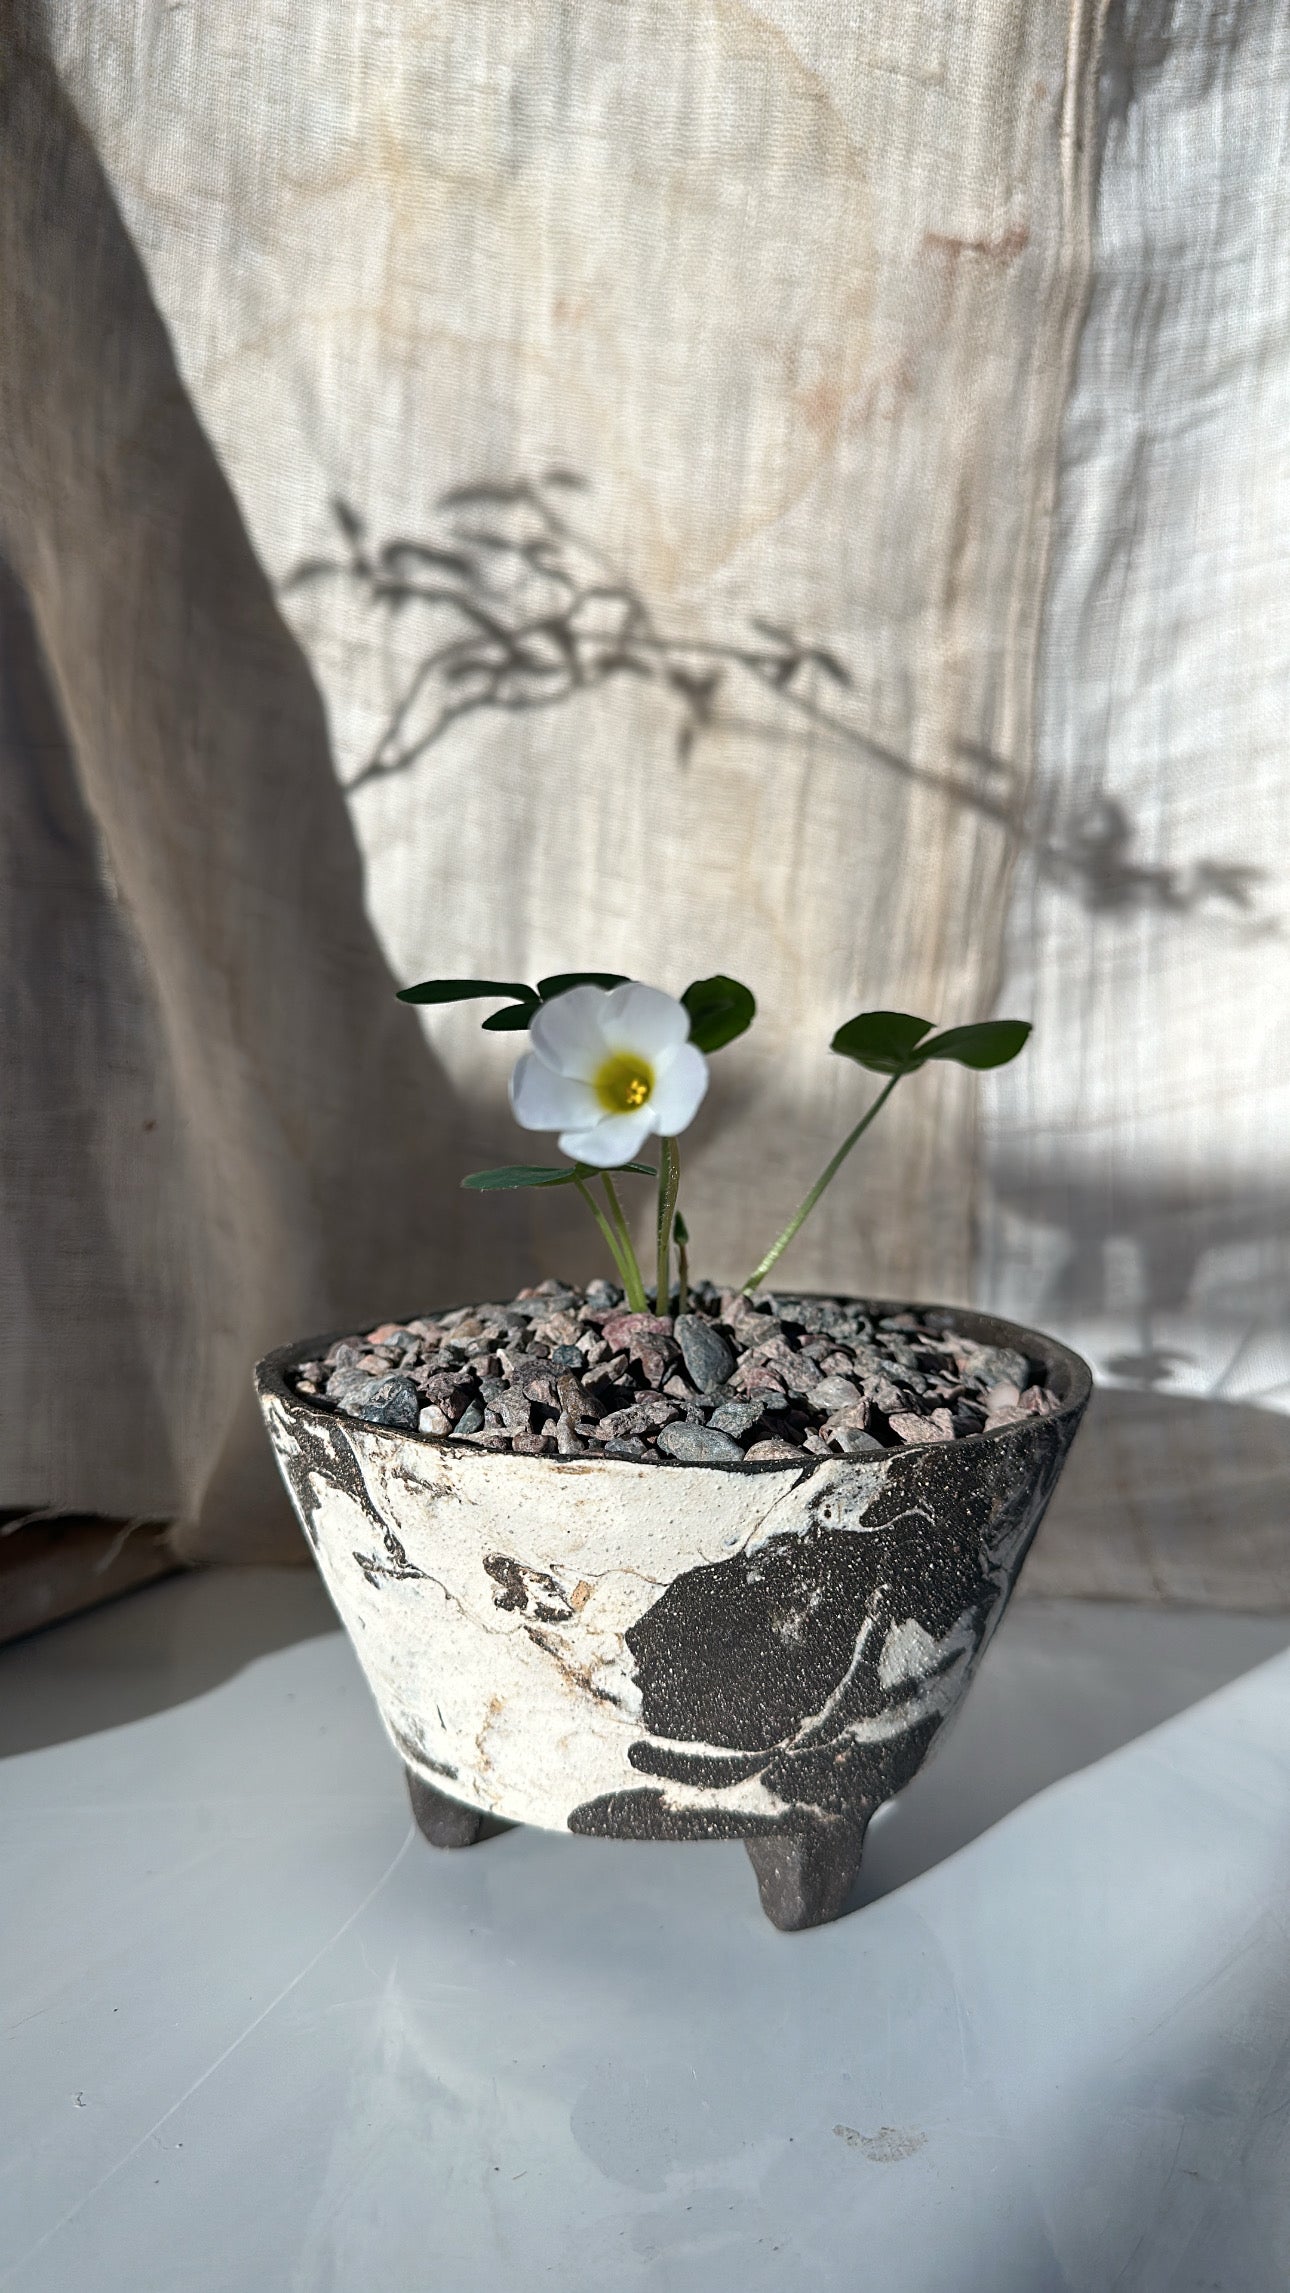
612, 1063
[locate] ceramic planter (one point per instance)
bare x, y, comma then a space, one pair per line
757, 1651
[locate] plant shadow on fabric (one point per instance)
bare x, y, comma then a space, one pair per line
524, 611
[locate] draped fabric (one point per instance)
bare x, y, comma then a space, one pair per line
1136, 1191
495, 486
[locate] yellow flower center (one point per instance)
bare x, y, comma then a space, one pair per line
623, 1083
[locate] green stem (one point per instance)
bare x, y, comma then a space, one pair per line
619, 1217
633, 1280
607, 1231
682, 1234
669, 1181
829, 1172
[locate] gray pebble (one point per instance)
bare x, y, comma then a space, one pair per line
343, 1381
736, 1417
654, 1358
802, 1378
869, 1362
385, 1401
566, 1440
907, 1425
513, 1410
855, 1417
567, 1357
640, 1416
853, 1443
628, 1447
708, 1357
699, 1444
834, 1393
887, 1397
434, 1420
1002, 1396
995, 1365
773, 1452
436, 1385
574, 1401
470, 1421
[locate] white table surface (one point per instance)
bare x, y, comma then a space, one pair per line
260, 2038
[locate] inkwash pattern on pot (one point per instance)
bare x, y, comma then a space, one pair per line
695, 1375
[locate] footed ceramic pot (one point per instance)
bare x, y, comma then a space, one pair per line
763, 1652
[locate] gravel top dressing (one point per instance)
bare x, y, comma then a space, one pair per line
559, 1372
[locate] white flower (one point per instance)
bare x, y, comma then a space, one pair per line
607, 1067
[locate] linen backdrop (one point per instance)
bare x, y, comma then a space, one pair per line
670, 486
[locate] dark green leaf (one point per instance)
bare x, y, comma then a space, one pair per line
464, 990
510, 1019
720, 1009
517, 1174
883, 1041
681, 1230
990, 1043
514, 1174
561, 981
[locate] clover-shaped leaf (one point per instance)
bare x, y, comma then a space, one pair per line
720, 1009
560, 982
513, 1018
522, 1001
882, 1041
989, 1043
896, 1043
466, 991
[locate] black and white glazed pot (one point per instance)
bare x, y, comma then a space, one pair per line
759, 1651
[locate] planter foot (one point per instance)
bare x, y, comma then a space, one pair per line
443, 1821
806, 1876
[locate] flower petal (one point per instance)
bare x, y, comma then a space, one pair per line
566, 1031
678, 1091
640, 1018
542, 1100
617, 1138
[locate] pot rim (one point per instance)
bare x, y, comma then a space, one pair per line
988, 1329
